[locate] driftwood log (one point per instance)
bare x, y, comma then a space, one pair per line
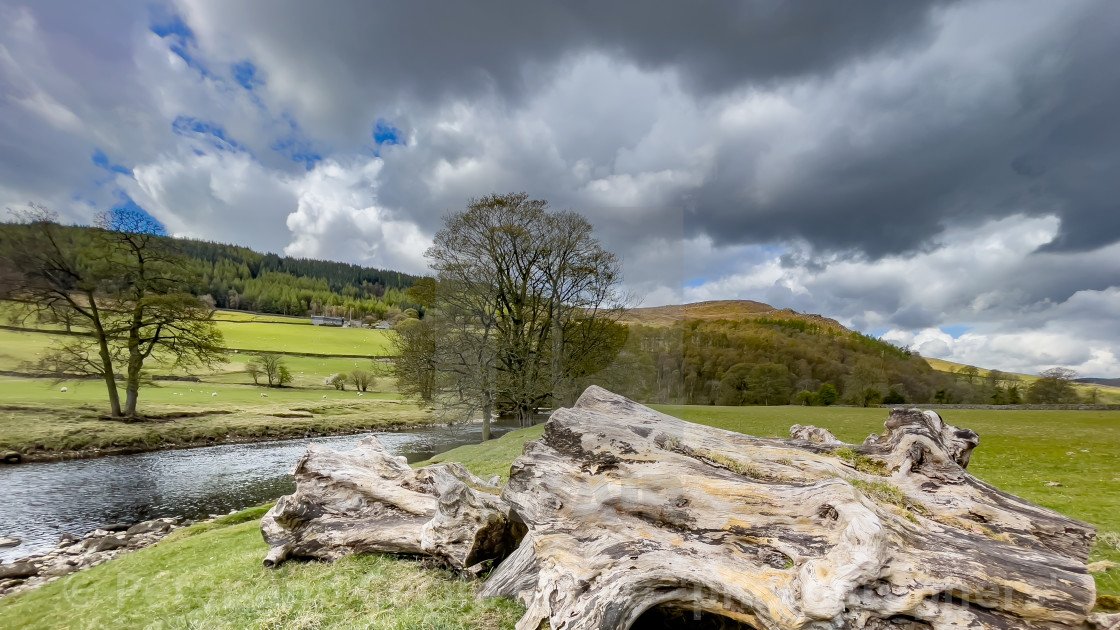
367, 500
621, 517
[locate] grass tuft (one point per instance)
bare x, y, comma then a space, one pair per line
861, 462
885, 493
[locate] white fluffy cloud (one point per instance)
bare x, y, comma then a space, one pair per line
982, 295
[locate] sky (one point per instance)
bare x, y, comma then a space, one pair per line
944, 175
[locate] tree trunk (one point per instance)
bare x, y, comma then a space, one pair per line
487, 414
135, 364
107, 371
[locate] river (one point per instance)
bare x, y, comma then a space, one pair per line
43, 500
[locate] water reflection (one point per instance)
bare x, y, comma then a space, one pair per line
43, 500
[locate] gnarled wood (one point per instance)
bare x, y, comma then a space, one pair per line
637, 519
366, 500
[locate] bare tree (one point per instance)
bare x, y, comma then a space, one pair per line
130, 294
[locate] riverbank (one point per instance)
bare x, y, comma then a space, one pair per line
65, 430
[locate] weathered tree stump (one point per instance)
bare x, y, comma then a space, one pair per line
366, 500
639, 520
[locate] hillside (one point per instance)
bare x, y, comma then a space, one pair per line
239, 278
734, 310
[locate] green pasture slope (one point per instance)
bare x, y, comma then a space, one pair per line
38, 418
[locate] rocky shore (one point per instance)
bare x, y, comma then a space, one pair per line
73, 553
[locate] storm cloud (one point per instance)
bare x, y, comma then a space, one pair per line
941, 173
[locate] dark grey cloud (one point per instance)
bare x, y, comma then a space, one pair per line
1038, 138
432, 50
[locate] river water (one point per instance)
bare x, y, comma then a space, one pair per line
43, 500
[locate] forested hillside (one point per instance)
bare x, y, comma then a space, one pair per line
242, 279
780, 361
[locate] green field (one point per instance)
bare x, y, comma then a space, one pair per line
38, 419
325, 340
242, 316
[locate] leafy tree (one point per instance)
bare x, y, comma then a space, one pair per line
806, 398
734, 385
528, 302
827, 394
275, 370
337, 381
362, 380
1054, 387
414, 363
769, 384
969, 373
130, 292
893, 397
253, 368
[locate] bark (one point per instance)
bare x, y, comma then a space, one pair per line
636, 519
366, 500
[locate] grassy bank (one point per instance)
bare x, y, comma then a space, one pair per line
72, 428
210, 576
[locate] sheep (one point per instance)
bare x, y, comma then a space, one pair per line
214, 394
324, 395
63, 390
359, 393
264, 395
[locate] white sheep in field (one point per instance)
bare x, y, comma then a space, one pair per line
264, 395
214, 394
63, 390
324, 395
359, 393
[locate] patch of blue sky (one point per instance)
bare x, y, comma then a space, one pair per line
246, 75
955, 331
180, 38
384, 133
692, 283
102, 161
298, 151
211, 133
172, 24
128, 215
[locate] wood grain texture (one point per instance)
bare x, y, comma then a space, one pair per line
367, 500
637, 519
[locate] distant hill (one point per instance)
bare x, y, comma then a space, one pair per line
239, 278
742, 352
731, 310
1107, 382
